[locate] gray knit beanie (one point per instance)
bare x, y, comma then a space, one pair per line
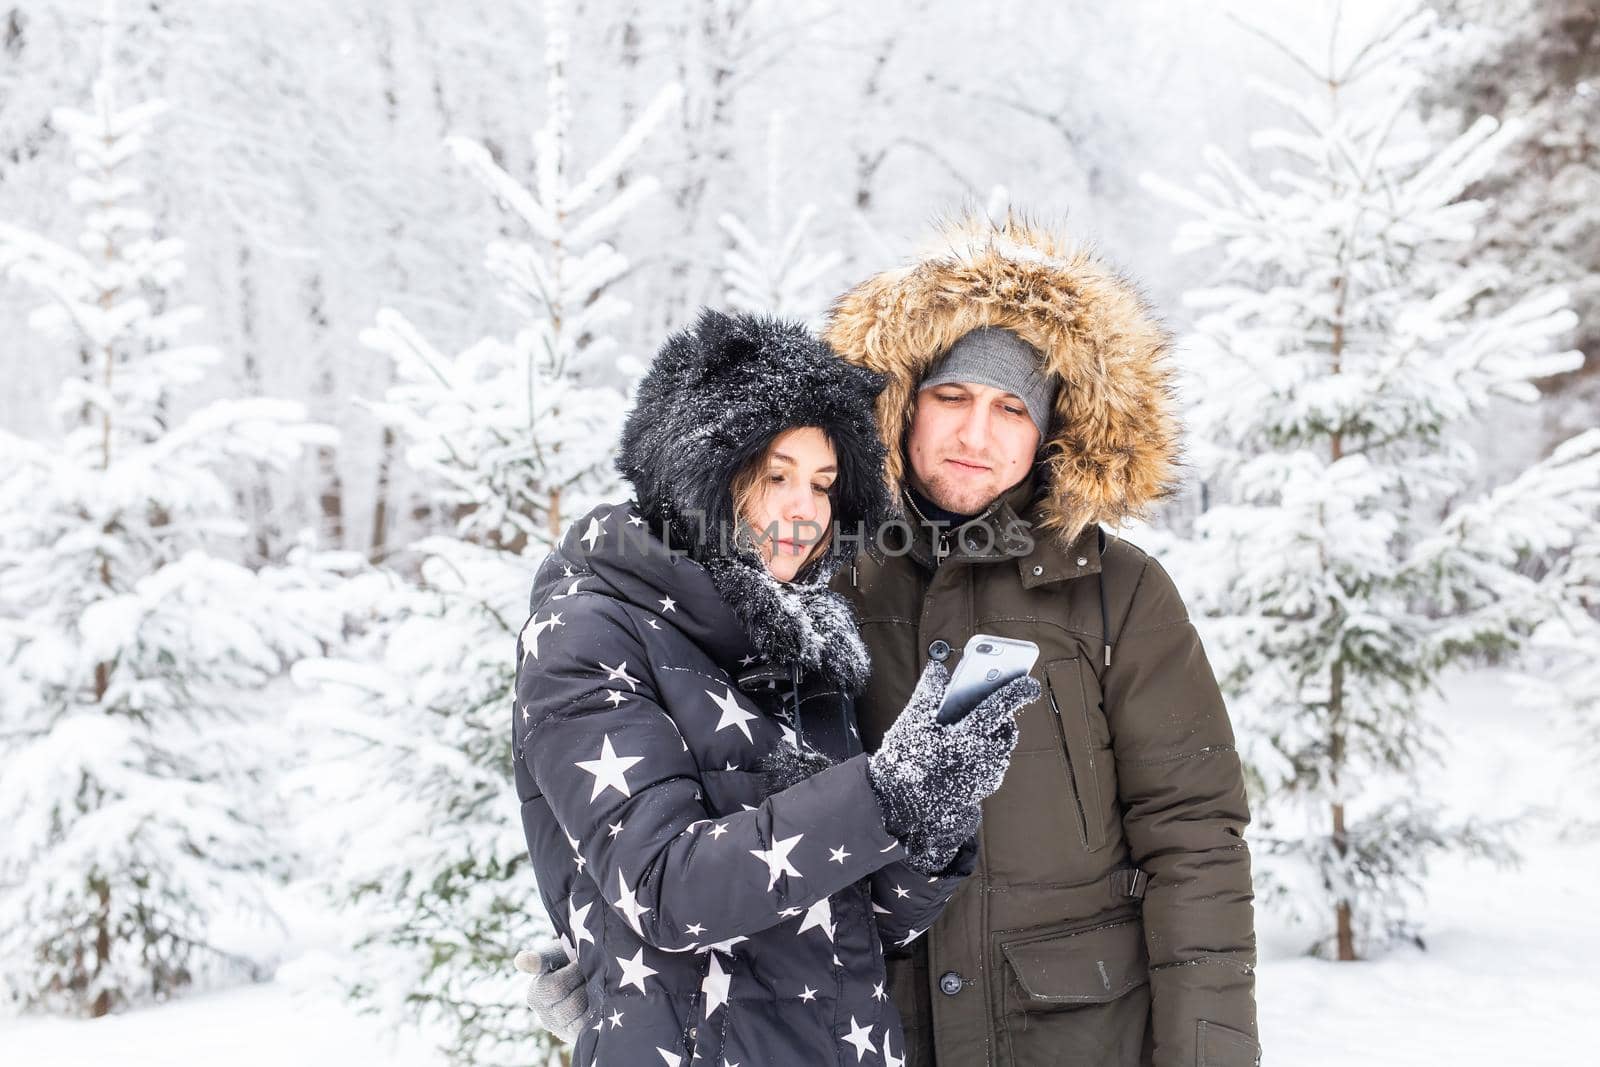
997, 357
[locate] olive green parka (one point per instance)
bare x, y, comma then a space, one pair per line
1109, 921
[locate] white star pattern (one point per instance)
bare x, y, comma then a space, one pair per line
619, 673
838, 855
745, 661
668, 604
901, 893
616, 1019
672, 1058
889, 1058
652, 624
879, 909
715, 986
808, 994
819, 915
615, 829
789, 737
718, 830
531, 631
577, 857
571, 589
912, 936
628, 904
732, 713
592, 535
724, 946
694, 929
861, 1037
578, 920
777, 859
616, 696
877, 990
609, 770
634, 971
634, 520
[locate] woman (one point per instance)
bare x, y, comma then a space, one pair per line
714, 849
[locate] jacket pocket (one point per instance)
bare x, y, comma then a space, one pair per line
1094, 965
1222, 1046
1064, 685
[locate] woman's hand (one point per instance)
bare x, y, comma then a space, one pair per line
557, 994
930, 779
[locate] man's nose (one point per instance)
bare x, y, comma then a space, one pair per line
973, 433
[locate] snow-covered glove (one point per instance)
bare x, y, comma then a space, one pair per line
930, 778
557, 994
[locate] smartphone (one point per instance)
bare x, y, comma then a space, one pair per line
987, 663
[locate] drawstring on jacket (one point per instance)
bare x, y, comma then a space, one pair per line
1105, 614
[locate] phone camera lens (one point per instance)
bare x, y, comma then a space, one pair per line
984, 648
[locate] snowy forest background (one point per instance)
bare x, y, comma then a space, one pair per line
317, 321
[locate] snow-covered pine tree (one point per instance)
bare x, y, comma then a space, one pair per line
1351, 550
775, 273
1537, 60
514, 438
134, 650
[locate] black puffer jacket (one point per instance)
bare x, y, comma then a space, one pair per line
728, 900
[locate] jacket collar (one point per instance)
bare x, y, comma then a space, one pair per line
1000, 532
728, 605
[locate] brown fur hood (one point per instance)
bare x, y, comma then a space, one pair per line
1113, 445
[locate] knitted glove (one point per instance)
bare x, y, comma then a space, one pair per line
930, 779
558, 996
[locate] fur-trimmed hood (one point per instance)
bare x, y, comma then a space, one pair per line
1112, 448
714, 399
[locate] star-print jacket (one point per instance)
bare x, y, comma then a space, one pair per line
715, 920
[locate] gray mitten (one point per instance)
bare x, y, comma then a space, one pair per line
557, 994
930, 778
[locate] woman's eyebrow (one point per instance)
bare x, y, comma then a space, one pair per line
782, 458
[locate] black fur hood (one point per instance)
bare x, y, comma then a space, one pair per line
715, 397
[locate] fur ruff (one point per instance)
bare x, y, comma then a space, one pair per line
1113, 448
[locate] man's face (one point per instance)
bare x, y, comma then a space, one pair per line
968, 444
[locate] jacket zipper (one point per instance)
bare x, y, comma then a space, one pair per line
941, 547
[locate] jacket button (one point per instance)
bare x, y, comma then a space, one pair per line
1037, 570
1083, 561
692, 1031
950, 983
939, 649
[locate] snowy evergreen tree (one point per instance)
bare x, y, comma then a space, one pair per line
514, 439
775, 273
1351, 550
1539, 61
134, 650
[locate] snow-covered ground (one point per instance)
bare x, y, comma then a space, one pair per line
1509, 977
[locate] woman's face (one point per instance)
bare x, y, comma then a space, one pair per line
791, 507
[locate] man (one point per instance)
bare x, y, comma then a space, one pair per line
1109, 921
1110, 918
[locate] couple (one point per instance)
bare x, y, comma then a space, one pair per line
751, 834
